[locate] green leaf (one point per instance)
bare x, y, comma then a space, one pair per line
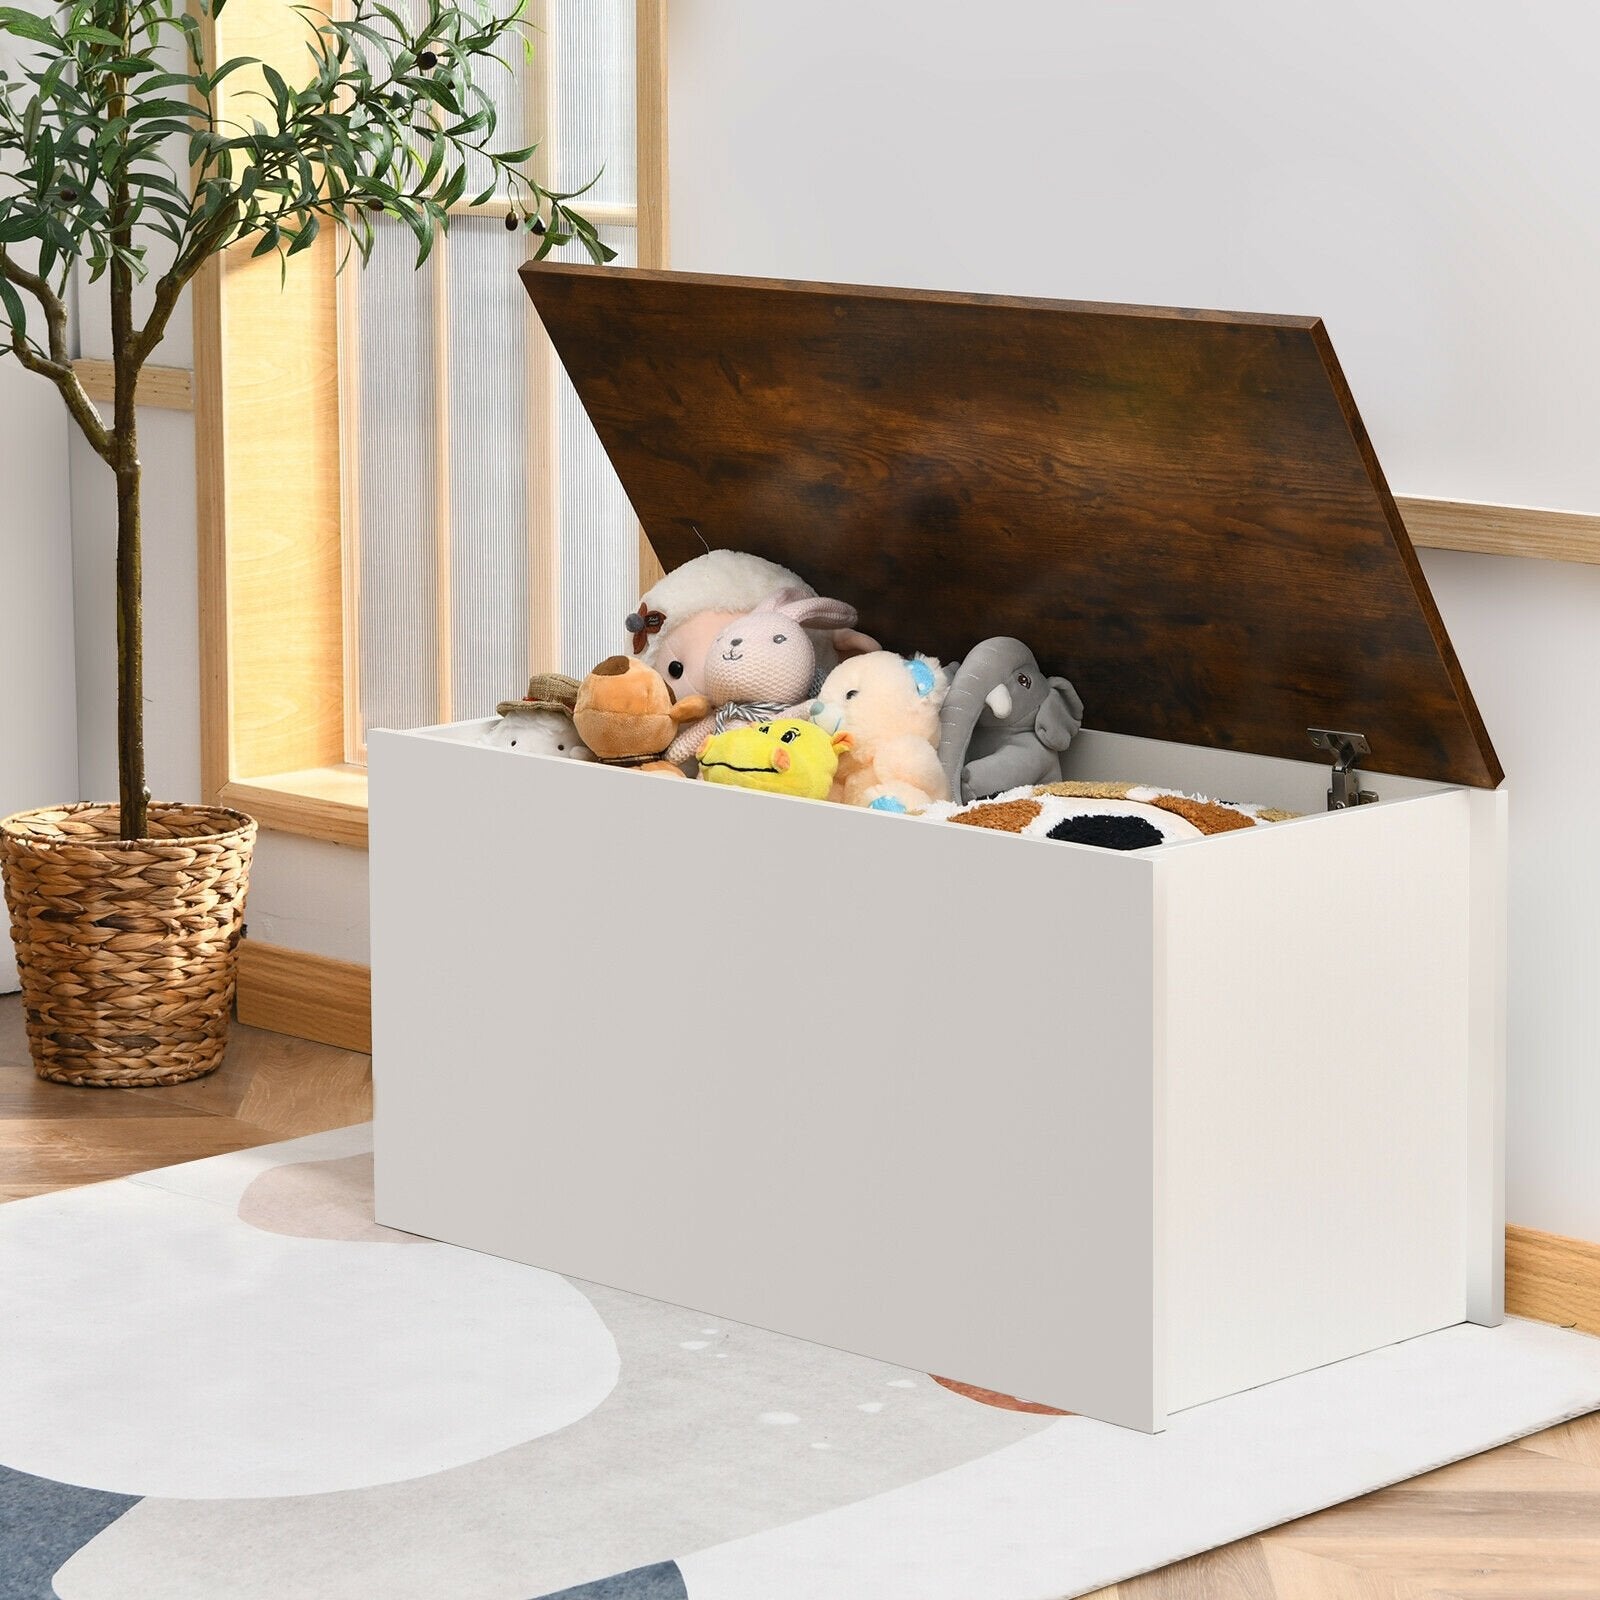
25, 25
360, 30
186, 110
161, 80
16, 315
478, 122
432, 89
307, 235
573, 194
394, 20
417, 221
227, 69
280, 90
87, 34
454, 187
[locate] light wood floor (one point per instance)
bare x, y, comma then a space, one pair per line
1520, 1523
269, 1087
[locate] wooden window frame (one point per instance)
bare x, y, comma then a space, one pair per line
273, 585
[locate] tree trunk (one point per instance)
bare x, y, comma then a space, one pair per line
134, 798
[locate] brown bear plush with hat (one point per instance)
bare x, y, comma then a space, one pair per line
627, 715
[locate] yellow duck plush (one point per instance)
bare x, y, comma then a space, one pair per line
787, 757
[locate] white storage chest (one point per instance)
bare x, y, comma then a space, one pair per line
1120, 1133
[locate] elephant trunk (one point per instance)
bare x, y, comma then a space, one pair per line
958, 717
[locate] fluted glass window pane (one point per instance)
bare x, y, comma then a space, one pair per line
593, 47
398, 572
488, 467
600, 544
470, 453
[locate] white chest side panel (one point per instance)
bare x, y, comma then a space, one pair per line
1316, 1041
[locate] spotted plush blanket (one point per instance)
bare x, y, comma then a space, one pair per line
1115, 816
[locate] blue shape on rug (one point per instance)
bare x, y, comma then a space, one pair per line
42, 1524
662, 1581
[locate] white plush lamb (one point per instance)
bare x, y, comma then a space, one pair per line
674, 624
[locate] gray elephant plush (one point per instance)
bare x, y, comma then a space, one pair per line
1004, 723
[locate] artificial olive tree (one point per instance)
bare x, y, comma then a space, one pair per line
118, 155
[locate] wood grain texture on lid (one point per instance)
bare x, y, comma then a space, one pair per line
1180, 511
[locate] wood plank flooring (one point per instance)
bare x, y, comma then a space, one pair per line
1519, 1523
269, 1087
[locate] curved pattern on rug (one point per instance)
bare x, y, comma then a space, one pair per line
993, 1397
41, 1523
329, 1199
159, 1347
663, 1581
715, 1432
725, 1461
712, 1427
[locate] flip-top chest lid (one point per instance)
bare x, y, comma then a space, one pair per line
1180, 511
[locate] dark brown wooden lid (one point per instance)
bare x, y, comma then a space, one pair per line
1179, 510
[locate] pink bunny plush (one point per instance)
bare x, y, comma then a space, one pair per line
763, 664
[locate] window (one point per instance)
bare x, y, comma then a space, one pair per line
486, 535
469, 530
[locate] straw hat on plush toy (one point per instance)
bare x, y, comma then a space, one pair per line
547, 691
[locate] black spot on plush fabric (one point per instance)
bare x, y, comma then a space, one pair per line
1110, 833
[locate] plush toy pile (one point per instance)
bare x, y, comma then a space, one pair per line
742, 674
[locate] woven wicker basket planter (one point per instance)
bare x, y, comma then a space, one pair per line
127, 950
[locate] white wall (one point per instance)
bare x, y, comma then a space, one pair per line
1423, 176
1529, 637
38, 744
38, 747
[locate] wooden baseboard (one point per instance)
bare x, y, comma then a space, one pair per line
308, 996
1553, 1279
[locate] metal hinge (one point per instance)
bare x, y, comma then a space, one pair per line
1346, 749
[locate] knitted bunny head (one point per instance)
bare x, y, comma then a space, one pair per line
766, 655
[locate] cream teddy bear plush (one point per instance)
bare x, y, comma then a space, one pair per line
890, 708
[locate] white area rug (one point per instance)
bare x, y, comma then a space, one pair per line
222, 1381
